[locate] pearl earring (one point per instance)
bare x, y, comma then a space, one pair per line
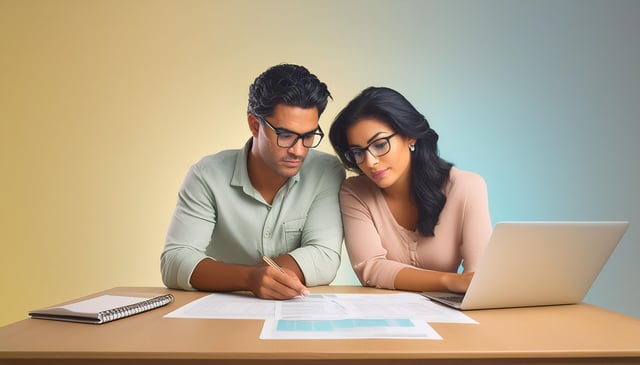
412, 147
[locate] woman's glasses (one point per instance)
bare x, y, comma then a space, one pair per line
377, 148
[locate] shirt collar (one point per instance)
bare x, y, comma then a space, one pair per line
241, 173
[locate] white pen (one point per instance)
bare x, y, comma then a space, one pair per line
272, 263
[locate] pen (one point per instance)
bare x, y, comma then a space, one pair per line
272, 263
275, 265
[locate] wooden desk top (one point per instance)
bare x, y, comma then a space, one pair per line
557, 334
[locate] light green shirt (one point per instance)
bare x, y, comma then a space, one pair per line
220, 215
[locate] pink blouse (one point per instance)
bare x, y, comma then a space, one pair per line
379, 247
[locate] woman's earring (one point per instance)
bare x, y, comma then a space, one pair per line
412, 147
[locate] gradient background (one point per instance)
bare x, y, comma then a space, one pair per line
104, 105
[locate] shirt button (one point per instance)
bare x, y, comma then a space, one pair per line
267, 234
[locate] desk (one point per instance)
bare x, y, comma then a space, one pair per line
574, 334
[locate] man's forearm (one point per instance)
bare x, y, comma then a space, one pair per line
288, 262
211, 275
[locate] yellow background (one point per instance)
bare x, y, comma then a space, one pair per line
105, 104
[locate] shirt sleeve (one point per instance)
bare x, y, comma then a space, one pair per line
189, 233
476, 223
321, 243
363, 242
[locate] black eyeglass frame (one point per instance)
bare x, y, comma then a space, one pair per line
279, 131
350, 156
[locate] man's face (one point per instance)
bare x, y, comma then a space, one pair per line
283, 161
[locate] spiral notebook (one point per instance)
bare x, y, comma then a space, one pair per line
102, 309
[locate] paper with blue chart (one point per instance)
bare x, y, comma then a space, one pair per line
330, 316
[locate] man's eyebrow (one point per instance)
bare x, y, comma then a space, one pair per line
369, 140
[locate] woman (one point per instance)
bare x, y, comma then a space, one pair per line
410, 218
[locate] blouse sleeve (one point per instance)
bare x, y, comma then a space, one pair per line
362, 239
476, 226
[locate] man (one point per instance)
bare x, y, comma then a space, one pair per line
276, 197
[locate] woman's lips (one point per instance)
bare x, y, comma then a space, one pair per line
378, 174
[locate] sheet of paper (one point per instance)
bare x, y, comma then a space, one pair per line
102, 303
349, 328
330, 316
321, 306
397, 305
224, 305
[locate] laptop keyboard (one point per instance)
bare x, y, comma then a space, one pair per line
454, 298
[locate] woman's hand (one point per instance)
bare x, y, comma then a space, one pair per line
458, 283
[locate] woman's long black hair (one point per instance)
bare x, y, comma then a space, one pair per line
429, 172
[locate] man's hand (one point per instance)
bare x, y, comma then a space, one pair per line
268, 283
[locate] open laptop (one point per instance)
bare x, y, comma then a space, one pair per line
537, 263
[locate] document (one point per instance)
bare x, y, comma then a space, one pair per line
330, 316
225, 305
349, 328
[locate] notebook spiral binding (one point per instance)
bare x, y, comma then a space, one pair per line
129, 310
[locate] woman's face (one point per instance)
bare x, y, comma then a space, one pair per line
380, 153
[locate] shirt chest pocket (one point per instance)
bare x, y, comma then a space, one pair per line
293, 233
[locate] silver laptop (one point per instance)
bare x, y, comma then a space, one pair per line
537, 263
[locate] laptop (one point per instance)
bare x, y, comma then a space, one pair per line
537, 263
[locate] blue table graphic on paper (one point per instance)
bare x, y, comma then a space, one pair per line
339, 324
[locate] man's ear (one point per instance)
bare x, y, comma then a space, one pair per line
254, 124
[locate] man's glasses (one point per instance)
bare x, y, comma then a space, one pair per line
377, 148
287, 138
